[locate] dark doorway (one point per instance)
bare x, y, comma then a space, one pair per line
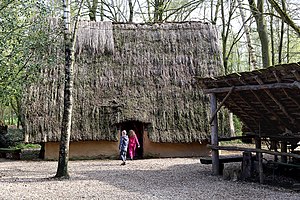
138, 128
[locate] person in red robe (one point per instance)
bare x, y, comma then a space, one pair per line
133, 142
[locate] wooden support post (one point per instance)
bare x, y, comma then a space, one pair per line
246, 165
283, 147
214, 136
260, 169
257, 145
274, 146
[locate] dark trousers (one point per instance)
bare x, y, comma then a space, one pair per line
123, 155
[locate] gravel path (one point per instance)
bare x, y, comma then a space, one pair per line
177, 178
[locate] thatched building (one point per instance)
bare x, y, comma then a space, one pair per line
129, 76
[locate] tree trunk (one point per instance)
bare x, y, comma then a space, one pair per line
130, 10
231, 125
214, 15
280, 48
93, 10
62, 169
248, 38
69, 39
257, 12
158, 10
101, 11
288, 45
271, 11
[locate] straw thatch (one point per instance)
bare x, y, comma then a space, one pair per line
123, 72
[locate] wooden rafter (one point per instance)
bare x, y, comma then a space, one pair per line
284, 90
258, 79
242, 111
259, 113
266, 107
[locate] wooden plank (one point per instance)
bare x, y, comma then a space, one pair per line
222, 159
236, 138
234, 148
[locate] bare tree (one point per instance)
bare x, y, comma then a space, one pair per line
284, 16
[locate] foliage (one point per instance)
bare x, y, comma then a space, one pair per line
23, 47
237, 125
27, 146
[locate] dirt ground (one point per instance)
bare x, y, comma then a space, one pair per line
169, 178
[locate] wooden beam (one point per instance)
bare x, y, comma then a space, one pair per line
214, 136
234, 148
293, 85
220, 105
237, 138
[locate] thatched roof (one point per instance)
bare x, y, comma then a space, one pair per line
266, 100
123, 72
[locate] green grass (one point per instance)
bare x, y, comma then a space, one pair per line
27, 146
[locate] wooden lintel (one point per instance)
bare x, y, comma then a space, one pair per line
253, 87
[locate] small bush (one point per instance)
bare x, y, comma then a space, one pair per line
28, 146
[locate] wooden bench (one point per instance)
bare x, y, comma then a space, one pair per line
222, 160
14, 153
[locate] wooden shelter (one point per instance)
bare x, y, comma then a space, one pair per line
267, 101
129, 76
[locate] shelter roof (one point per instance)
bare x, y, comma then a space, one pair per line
266, 100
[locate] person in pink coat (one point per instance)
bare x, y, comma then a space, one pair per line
133, 141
